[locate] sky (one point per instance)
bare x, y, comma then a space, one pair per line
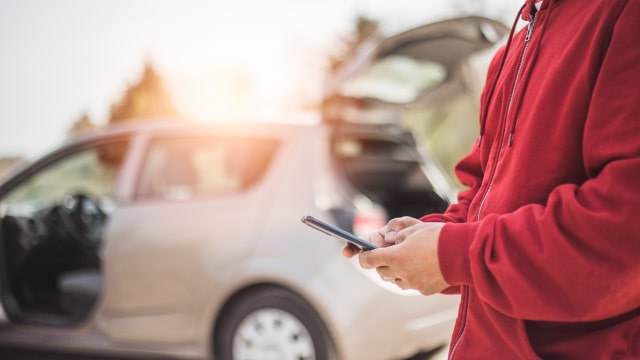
60, 59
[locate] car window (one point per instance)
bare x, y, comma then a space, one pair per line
89, 171
187, 168
395, 79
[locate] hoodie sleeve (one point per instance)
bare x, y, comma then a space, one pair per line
577, 256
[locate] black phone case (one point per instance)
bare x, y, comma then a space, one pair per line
337, 232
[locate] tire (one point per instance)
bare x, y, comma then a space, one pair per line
271, 323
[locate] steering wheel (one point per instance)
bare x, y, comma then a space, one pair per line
84, 220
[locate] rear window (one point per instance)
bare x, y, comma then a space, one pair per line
395, 79
195, 167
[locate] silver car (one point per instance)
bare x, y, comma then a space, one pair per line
181, 240
185, 240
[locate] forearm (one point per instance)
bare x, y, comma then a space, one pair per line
575, 259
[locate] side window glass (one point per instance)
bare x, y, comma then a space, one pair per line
90, 171
182, 169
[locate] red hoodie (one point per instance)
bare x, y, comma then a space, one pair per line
544, 246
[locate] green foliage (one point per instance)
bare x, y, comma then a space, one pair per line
145, 99
364, 28
449, 129
83, 123
7, 163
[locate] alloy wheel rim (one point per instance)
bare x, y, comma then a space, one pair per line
272, 334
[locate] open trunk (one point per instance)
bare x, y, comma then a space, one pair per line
384, 163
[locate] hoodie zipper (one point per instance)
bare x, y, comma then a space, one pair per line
503, 128
463, 324
465, 293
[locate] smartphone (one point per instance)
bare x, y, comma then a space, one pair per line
337, 232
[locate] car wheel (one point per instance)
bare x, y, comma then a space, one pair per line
271, 323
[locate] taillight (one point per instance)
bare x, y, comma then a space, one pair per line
366, 221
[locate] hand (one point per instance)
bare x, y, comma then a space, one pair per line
384, 237
413, 262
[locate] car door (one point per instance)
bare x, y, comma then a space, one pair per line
52, 217
193, 212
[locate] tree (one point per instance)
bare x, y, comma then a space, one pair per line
8, 163
82, 124
365, 28
145, 99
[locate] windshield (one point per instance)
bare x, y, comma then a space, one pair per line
92, 171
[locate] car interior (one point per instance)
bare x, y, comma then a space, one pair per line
50, 237
52, 262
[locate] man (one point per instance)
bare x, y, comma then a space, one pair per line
544, 245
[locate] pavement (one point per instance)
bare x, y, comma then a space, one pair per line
18, 354
442, 354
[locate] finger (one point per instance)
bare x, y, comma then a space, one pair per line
377, 238
390, 237
378, 257
373, 258
400, 223
401, 235
350, 251
385, 273
427, 229
395, 226
424, 227
399, 282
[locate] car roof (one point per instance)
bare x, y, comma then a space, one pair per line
167, 126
